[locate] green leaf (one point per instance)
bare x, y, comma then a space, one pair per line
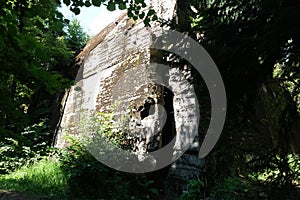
67, 2
147, 21
96, 3
80, 3
111, 6
66, 21
122, 6
87, 3
76, 11
154, 18
151, 12
142, 15
130, 14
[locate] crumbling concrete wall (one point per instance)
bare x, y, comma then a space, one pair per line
114, 66
121, 46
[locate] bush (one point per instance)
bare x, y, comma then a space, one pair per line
277, 170
90, 179
195, 190
24, 149
231, 188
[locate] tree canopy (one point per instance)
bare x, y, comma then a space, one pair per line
35, 54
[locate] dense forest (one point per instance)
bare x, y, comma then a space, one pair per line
256, 46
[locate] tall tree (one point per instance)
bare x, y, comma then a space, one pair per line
32, 55
76, 38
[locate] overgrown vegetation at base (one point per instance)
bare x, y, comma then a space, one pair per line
89, 178
76, 174
42, 178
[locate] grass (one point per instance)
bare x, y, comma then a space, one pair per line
43, 178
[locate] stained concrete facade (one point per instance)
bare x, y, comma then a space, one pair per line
121, 46
115, 67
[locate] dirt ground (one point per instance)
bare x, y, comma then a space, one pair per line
7, 195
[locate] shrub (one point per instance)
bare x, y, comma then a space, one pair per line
231, 188
24, 148
277, 170
195, 190
90, 179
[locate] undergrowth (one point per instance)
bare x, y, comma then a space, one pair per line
74, 173
43, 178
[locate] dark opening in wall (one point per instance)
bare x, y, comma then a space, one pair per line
146, 111
168, 131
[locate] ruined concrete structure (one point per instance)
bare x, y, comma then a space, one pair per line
122, 47
114, 67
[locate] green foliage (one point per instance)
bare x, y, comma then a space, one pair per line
195, 190
76, 38
111, 6
37, 136
43, 178
253, 43
243, 39
231, 188
87, 177
13, 155
90, 179
135, 8
105, 127
277, 170
288, 74
33, 58
29, 145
